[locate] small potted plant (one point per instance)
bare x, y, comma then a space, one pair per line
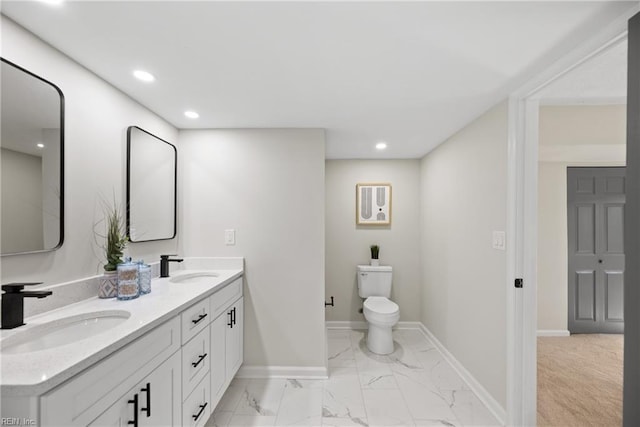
114, 244
375, 251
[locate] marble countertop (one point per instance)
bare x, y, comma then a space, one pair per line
35, 373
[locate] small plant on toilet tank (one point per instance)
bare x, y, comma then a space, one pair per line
375, 252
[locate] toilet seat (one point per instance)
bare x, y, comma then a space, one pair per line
381, 305
382, 314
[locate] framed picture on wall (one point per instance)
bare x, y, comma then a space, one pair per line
373, 204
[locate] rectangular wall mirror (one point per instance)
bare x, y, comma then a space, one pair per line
31, 162
151, 186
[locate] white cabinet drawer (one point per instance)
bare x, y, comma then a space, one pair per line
196, 359
224, 297
195, 319
197, 408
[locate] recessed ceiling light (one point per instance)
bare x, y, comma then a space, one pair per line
53, 2
191, 114
145, 76
40, 145
381, 145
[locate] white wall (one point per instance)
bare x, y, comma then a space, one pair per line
463, 200
552, 246
268, 185
347, 245
569, 136
96, 119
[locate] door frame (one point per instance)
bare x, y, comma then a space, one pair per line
522, 217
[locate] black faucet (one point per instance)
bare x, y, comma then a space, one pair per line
13, 303
164, 264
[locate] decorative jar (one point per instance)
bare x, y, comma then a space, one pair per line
144, 277
108, 287
128, 287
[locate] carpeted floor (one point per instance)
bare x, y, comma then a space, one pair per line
580, 380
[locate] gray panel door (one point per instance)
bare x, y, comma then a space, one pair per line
596, 199
631, 383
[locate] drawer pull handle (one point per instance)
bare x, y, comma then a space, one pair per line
135, 411
233, 315
230, 314
202, 316
202, 356
196, 416
147, 390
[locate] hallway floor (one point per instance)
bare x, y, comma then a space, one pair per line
414, 386
580, 380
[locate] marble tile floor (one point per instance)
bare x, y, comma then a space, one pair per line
413, 386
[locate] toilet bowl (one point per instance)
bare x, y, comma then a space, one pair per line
381, 314
374, 285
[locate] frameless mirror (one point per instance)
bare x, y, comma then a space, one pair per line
31, 162
151, 186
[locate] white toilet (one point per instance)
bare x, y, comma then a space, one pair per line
374, 284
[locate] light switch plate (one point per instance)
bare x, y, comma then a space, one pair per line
230, 237
499, 240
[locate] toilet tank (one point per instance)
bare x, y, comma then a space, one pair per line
374, 281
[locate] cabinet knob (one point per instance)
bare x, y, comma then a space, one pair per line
134, 401
200, 359
147, 390
196, 416
199, 319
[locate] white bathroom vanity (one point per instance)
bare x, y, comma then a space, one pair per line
165, 358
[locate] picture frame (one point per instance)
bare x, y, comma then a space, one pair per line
373, 204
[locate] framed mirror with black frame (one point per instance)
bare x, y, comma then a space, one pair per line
31, 162
151, 186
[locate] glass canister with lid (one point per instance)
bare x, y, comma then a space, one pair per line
144, 277
128, 286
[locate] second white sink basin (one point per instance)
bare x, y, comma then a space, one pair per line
192, 277
63, 331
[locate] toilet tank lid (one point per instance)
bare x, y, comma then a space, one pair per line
374, 268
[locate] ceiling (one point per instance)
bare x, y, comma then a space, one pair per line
600, 80
407, 73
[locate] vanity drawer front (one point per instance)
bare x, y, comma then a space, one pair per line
196, 409
83, 398
222, 299
195, 319
196, 359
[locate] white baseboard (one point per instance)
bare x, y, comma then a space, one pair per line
553, 333
293, 372
492, 404
337, 324
363, 325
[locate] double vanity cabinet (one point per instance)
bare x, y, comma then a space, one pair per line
174, 374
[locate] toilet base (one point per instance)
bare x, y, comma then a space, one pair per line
380, 339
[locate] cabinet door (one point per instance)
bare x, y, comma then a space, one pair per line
234, 339
218, 363
156, 401
119, 414
159, 394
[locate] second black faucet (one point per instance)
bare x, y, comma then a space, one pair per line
164, 264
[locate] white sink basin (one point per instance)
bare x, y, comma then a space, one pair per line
193, 277
63, 331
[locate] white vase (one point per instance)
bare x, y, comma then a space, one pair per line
375, 262
108, 287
